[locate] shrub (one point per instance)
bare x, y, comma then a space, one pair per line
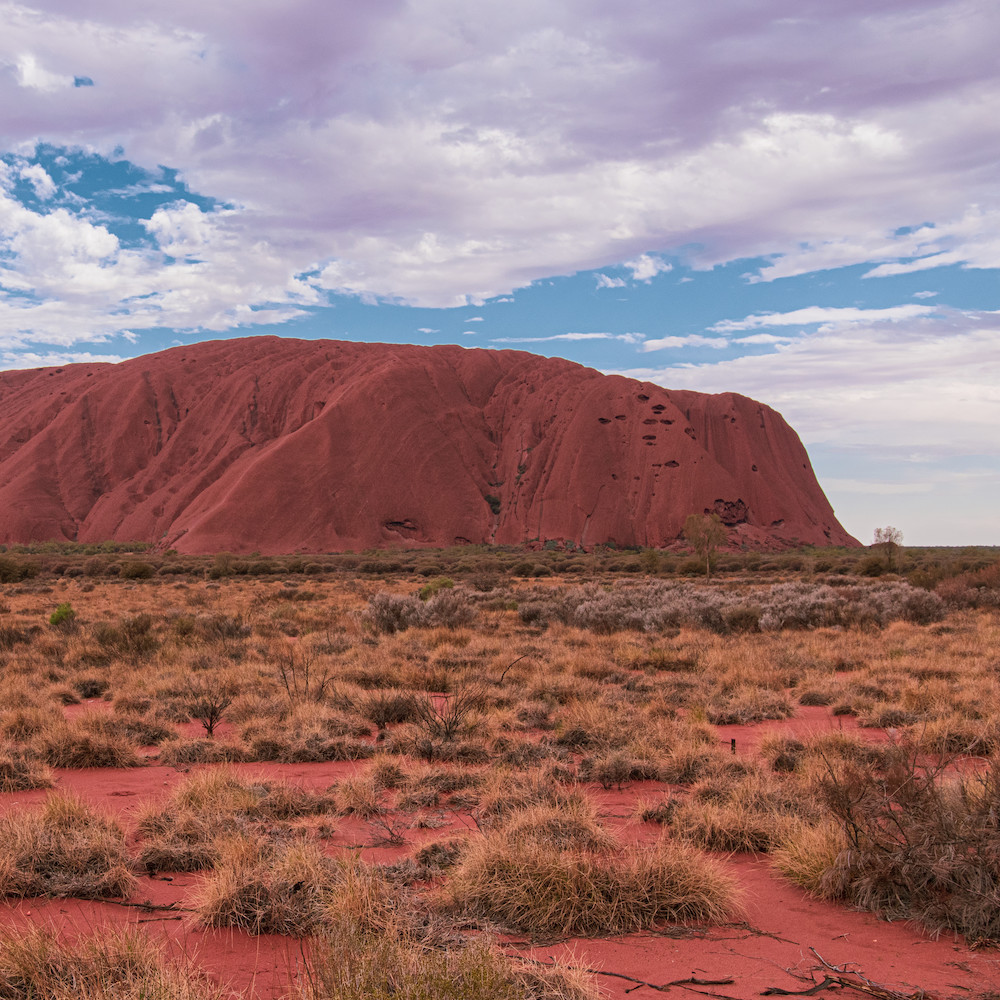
132, 638
134, 570
390, 613
451, 609
14, 571
922, 844
64, 617
428, 590
206, 698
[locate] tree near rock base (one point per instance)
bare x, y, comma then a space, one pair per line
705, 533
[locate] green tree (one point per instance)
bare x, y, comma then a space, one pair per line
705, 533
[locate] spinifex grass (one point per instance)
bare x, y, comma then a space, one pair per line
63, 848
540, 889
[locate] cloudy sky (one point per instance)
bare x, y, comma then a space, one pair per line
798, 200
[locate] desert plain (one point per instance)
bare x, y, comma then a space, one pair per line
488, 773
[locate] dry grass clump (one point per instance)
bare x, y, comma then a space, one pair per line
19, 770
73, 746
749, 812
807, 853
267, 888
27, 722
310, 733
264, 888
181, 752
782, 753
539, 889
747, 704
573, 825
107, 965
64, 848
184, 834
348, 963
146, 728
505, 792
731, 826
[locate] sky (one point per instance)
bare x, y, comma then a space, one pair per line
797, 200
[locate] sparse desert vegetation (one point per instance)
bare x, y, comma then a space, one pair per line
401, 768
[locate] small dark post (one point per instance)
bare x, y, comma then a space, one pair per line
733, 744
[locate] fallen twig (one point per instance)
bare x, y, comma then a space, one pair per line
778, 991
662, 987
147, 906
851, 979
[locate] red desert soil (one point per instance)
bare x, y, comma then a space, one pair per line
277, 445
782, 933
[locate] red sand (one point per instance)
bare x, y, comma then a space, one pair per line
781, 925
277, 445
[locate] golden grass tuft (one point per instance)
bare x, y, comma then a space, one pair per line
573, 825
64, 848
20, 771
538, 889
264, 888
350, 963
807, 853
108, 965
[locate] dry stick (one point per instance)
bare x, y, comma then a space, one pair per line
509, 665
147, 907
662, 987
778, 991
842, 979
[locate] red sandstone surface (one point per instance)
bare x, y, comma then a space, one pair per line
277, 445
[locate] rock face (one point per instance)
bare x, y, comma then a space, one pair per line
276, 445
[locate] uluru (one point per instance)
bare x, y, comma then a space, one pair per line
279, 445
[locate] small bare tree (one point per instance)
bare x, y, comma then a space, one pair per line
888, 541
206, 698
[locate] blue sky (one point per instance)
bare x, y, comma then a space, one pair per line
794, 200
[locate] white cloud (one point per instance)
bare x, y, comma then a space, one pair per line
75, 282
11, 360
689, 340
604, 281
469, 333
813, 315
557, 336
932, 390
36, 176
31, 74
924, 295
426, 154
426, 329
763, 338
645, 267
474, 319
